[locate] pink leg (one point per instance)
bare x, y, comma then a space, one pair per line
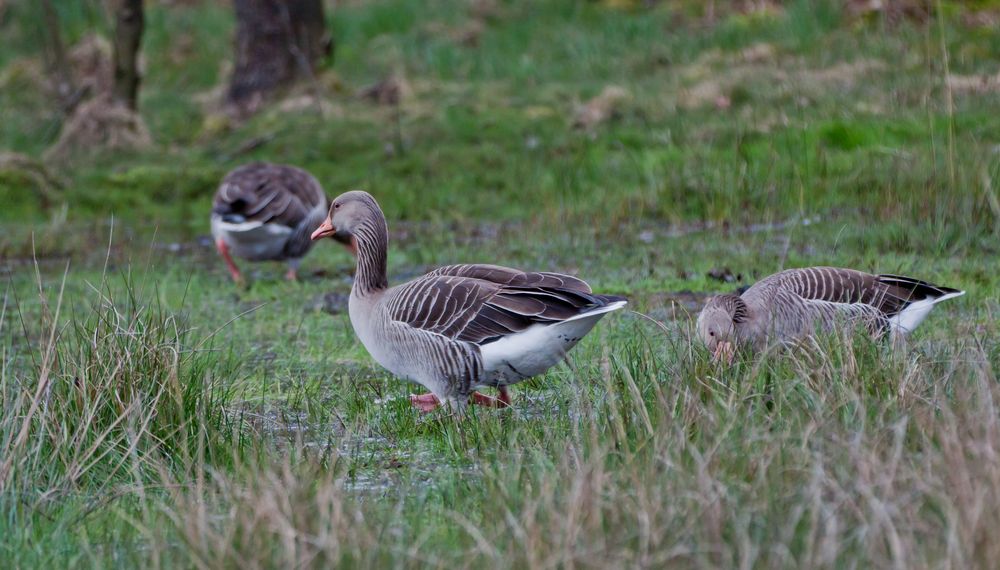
428, 402
224, 252
293, 270
424, 402
502, 402
505, 396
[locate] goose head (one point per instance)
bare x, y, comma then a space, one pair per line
718, 322
349, 212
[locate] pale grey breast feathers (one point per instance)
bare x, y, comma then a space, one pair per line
268, 193
483, 303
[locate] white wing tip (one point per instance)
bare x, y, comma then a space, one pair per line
616, 305
613, 306
949, 296
237, 227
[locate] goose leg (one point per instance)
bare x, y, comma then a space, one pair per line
224, 252
293, 270
501, 402
504, 396
428, 402
425, 402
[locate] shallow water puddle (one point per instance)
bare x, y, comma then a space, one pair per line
373, 464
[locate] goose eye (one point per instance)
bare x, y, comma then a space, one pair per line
336, 206
711, 333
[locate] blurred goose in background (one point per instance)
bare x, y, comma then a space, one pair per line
795, 303
265, 211
460, 327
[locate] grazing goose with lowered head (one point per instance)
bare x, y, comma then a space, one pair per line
795, 303
460, 327
265, 211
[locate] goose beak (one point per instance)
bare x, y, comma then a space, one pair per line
724, 352
325, 229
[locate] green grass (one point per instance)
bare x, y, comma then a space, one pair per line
169, 418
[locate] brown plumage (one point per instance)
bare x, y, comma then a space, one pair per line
794, 303
483, 303
264, 211
460, 327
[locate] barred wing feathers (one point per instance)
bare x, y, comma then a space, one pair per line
484, 303
268, 193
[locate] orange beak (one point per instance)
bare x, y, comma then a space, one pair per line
724, 352
325, 229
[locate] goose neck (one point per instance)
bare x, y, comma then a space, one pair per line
371, 241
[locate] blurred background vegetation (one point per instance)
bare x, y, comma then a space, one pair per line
707, 112
151, 414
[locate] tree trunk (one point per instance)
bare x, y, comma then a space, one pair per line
128, 35
277, 42
57, 63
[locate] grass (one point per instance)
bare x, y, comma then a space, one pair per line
152, 414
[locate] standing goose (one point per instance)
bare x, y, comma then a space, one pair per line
795, 303
265, 211
460, 327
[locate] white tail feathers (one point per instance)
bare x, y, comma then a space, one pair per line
539, 347
914, 314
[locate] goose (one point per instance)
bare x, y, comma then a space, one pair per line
458, 328
264, 211
794, 303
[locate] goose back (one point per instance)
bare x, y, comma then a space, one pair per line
446, 329
795, 302
267, 211
483, 303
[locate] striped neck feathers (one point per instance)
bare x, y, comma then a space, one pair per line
371, 244
735, 306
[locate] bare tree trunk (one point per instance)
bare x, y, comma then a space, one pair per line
277, 42
129, 23
57, 61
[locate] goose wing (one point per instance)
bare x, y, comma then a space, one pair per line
514, 277
834, 288
484, 303
268, 193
